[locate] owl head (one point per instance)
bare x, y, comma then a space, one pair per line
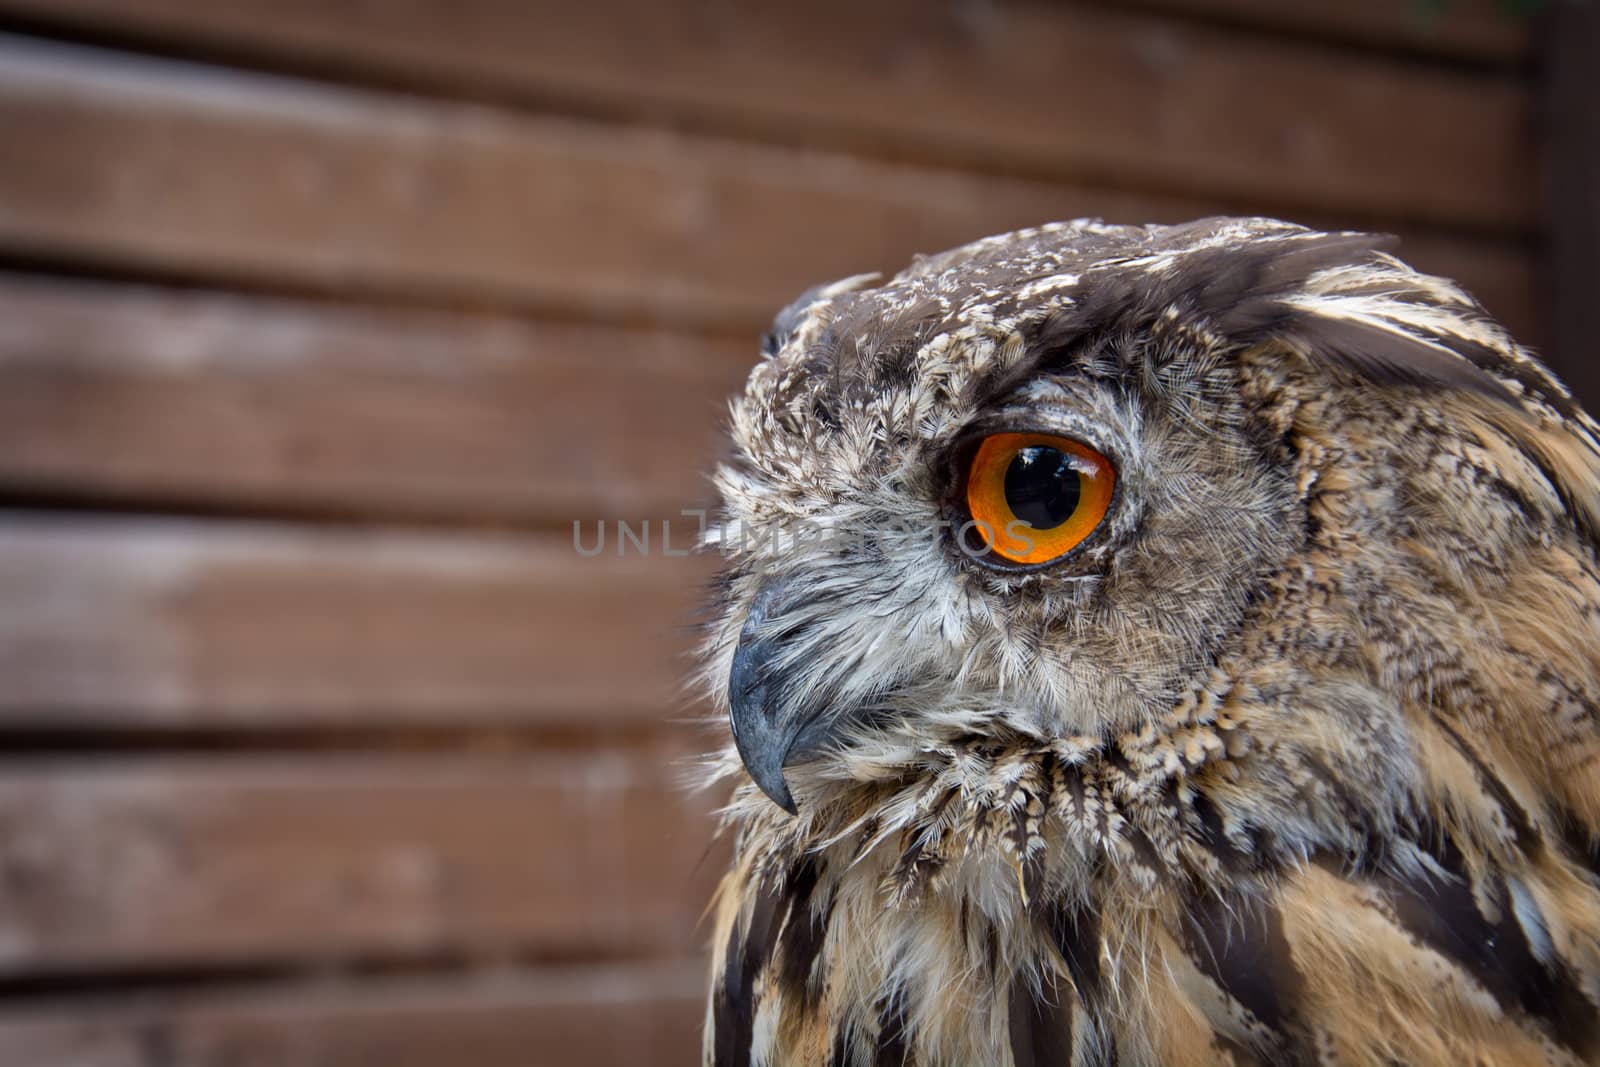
1055, 484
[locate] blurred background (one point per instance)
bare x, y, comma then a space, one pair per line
321, 321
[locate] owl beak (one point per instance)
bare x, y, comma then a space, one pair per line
771, 727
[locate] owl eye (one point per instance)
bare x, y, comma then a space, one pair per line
1034, 497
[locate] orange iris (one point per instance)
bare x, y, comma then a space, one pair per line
1034, 497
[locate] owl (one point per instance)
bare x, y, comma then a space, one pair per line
1156, 646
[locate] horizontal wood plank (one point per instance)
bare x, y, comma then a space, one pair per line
260, 180
627, 1015
1075, 91
251, 860
272, 181
200, 625
136, 393
1480, 30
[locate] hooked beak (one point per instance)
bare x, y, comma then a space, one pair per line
773, 724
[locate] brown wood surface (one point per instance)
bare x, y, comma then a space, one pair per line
193, 624
185, 862
1482, 30
639, 1015
254, 179
329, 173
249, 178
1571, 53
1485, 31
137, 393
642, 1015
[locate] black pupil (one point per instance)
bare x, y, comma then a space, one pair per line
1042, 487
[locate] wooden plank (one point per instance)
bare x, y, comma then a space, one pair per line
492, 197
270, 181
640, 1015
1480, 30
647, 1015
248, 861
389, 193
133, 393
191, 624
1571, 44
262, 180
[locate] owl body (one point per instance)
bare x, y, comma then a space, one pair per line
1290, 759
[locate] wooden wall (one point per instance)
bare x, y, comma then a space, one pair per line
321, 322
